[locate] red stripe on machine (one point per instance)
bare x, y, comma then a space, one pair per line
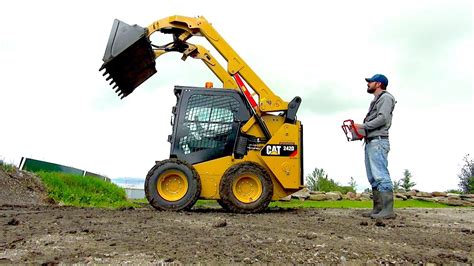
245, 91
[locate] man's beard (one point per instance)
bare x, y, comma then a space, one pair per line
370, 90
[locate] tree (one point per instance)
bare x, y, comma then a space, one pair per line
406, 183
466, 177
396, 185
318, 180
313, 178
353, 183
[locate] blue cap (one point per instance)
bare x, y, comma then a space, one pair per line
378, 78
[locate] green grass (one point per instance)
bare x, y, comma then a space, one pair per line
7, 168
337, 204
87, 191
350, 204
83, 191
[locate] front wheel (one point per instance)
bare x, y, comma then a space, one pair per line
172, 184
246, 188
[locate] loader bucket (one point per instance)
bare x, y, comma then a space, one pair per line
129, 59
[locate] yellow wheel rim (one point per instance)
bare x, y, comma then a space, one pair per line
247, 188
172, 185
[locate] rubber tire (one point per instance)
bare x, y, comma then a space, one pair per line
222, 204
231, 202
188, 200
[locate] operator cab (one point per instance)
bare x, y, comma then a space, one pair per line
206, 123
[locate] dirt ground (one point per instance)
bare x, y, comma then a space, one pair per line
42, 233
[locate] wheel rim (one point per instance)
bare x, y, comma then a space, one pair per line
247, 188
172, 185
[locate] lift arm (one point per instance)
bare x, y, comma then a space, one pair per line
136, 44
184, 28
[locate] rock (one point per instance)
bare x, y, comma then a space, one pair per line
336, 192
439, 199
454, 202
301, 194
315, 192
13, 221
421, 198
468, 199
467, 196
365, 196
453, 196
400, 196
351, 196
410, 193
439, 194
318, 197
220, 224
379, 222
424, 194
425, 199
247, 260
334, 196
287, 198
310, 236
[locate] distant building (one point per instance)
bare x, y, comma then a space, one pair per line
134, 187
135, 193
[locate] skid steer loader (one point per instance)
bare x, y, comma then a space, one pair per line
224, 145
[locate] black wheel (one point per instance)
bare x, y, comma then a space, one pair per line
172, 184
246, 188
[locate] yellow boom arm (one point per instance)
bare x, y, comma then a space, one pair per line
183, 28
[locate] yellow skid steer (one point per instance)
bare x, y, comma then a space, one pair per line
225, 145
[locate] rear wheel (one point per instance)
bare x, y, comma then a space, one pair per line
246, 188
172, 184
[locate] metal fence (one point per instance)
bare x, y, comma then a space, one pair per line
34, 165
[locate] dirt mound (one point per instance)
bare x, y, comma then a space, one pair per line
21, 188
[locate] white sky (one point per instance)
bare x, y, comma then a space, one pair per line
56, 106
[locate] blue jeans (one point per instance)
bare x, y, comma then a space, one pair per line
376, 164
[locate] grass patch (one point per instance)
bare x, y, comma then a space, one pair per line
333, 204
83, 191
7, 168
351, 204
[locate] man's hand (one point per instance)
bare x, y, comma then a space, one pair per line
357, 126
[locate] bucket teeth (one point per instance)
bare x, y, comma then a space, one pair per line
129, 59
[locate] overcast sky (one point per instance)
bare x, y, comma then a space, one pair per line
56, 106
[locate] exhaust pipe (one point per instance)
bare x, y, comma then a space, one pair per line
129, 59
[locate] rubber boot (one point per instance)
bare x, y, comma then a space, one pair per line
387, 210
377, 204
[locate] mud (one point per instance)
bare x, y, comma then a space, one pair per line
54, 234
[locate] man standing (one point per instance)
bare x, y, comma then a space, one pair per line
376, 124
